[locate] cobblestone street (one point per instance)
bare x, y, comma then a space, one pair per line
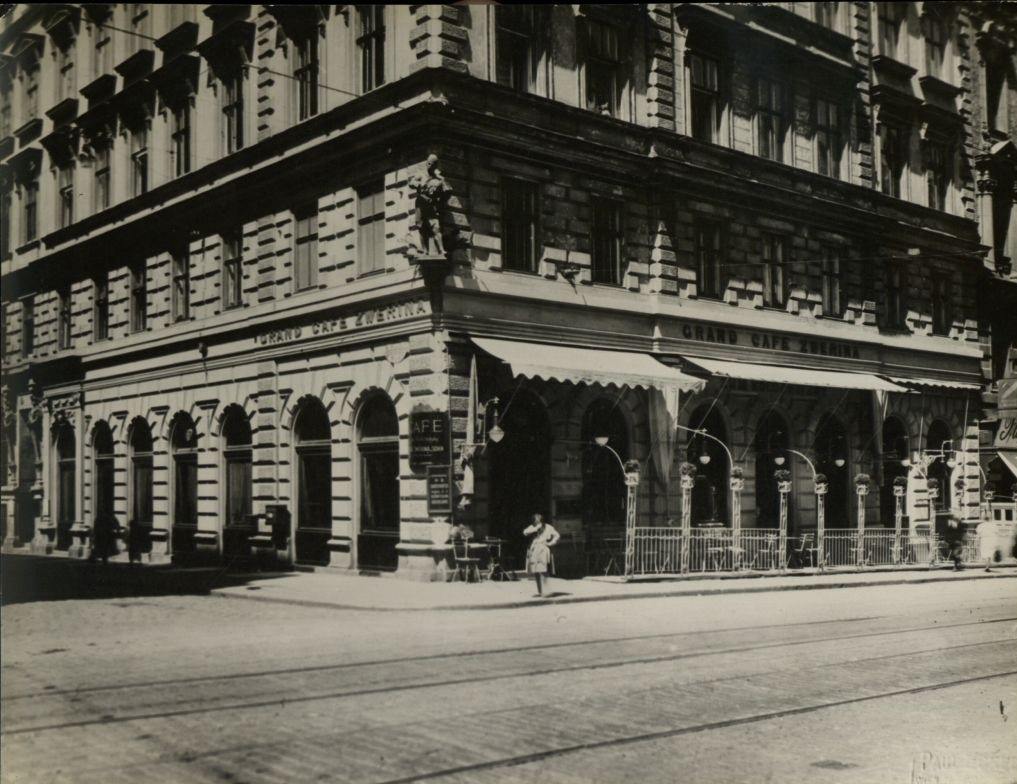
892, 683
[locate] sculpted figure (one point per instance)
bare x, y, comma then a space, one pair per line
431, 192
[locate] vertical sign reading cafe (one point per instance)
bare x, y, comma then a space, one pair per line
430, 452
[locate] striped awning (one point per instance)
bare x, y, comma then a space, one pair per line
783, 374
936, 383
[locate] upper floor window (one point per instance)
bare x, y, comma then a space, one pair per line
30, 85
100, 315
64, 318
896, 313
371, 226
826, 14
996, 92
937, 174
519, 227
139, 160
831, 277
371, 43
27, 326
30, 210
140, 21
233, 111
889, 19
771, 119
774, 287
606, 241
180, 13
101, 192
64, 74
305, 247
602, 65
65, 195
181, 293
180, 138
934, 30
5, 221
705, 99
139, 297
232, 270
6, 126
709, 259
942, 319
305, 74
892, 157
102, 50
828, 138
514, 53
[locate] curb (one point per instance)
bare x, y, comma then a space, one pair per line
602, 598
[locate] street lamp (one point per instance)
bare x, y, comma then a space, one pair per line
819, 487
733, 483
630, 472
471, 449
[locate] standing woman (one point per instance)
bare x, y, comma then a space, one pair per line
539, 561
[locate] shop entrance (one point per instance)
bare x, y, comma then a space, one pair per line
520, 474
104, 522
771, 441
710, 493
237, 453
830, 448
314, 483
378, 445
65, 449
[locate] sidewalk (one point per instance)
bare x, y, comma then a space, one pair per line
35, 578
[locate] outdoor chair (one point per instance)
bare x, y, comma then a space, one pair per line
495, 569
803, 551
466, 565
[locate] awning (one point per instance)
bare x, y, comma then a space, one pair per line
782, 374
1009, 460
587, 365
935, 382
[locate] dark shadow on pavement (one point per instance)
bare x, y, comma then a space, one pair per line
28, 578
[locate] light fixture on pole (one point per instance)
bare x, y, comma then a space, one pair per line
630, 472
736, 522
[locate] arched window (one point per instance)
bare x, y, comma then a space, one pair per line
830, 447
237, 452
65, 447
603, 479
895, 450
939, 443
709, 495
140, 440
378, 447
771, 439
313, 441
102, 453
184, 445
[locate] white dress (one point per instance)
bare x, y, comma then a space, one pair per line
538, 558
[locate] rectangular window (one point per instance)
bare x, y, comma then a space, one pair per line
894, 296
305, 247
831, 276
139, 297
826, 15
139, 160
934, 30
31, 87
371, 43
64, 319
102, 176
180, 13
27, 327
519, 229
30, 211
371, 226
771, 119
181, 284
891, 160
180, 138
937, 174
232, 270
942, 317
141, 23
606, 241
6, 205
704, 105
5, 108
774, 258
996, 93
828, 138
709, 260
514, 48
233, 112
889, 18
64, 73
305, 75
102, 50
100, 316
65, 194
602, 63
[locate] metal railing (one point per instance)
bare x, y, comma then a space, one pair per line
663, 550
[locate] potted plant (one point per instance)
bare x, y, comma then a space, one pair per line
862, 484
822, 484
783, 477
737, 479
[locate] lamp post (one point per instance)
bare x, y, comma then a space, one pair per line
630, 471
900, 489
861, 490
735, 487
688, 481
783, 477
821, 487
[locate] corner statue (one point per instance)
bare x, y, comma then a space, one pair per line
431, 192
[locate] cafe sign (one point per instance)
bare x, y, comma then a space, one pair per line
333, 326
775, 341
429, 439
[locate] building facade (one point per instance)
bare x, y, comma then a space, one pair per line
224, 335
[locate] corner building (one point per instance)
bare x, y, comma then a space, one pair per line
219, 342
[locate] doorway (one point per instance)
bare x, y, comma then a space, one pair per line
237, 454
184, 444
66, 480
378, 448
830, 447
313, 440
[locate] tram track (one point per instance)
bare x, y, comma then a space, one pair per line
342, 694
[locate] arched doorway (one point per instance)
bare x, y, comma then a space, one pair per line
65, 448
378, 447
895, 451
604, 492
771, 439
939, 442
184, 447
312, 433
830, 447
237, 456
26, 508
140, 523
103, 515
709, 494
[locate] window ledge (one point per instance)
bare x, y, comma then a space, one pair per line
893, 67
